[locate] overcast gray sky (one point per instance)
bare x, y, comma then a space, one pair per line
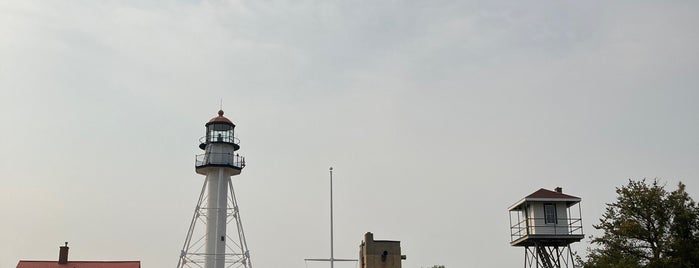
437, 115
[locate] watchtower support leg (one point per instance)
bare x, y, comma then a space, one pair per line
543, 256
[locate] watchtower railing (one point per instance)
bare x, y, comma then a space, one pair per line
537, 226
220, 159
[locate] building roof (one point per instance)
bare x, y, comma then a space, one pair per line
220, 119
543, 195
79, 264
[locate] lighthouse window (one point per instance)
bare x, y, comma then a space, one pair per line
220, 133
550, 213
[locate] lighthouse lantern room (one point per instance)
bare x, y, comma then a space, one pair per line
211, 245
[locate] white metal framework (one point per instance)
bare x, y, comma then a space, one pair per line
193, 251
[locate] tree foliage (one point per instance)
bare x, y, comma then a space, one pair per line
647, 227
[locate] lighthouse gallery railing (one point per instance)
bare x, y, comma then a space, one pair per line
220, 159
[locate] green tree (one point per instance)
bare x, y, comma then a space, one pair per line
647, 227
684, 230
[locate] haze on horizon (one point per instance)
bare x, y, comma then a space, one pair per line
436, 116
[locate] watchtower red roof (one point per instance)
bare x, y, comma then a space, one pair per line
220, 119
79, 264
543, 195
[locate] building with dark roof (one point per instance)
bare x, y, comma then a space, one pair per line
545, 225
63, 262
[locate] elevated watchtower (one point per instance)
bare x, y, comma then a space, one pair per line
545, 223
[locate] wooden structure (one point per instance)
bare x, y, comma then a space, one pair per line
545, 223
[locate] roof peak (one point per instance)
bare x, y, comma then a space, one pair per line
545, 193
220, 119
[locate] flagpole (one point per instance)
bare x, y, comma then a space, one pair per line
332, 257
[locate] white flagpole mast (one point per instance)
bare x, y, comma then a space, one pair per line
332, 257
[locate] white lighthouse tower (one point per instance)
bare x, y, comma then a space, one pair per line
212, 245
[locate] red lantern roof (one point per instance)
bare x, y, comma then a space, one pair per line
220, 119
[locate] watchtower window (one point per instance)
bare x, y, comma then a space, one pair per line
550, 214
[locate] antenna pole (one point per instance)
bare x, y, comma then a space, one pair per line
332, 258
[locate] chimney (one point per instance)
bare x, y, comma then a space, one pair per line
559, 190
63, 254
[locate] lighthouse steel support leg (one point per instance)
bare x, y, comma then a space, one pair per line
245, 259
209, 245
187, 247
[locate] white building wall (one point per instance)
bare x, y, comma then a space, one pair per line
536, 215
563, 226
537, 223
